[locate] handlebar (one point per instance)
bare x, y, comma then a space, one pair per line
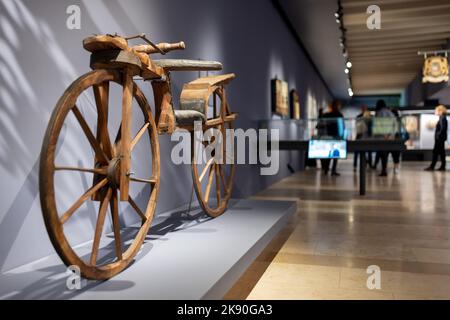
164, 47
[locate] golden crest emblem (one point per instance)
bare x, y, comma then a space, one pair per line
435, 70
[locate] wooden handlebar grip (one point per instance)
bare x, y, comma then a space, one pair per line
166, 47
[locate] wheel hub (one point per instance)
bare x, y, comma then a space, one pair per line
113, 172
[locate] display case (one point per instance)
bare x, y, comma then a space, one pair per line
335, 128
421, 127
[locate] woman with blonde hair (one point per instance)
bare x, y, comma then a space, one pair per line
440, 136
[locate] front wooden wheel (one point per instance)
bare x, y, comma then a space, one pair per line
213, 176
80, 172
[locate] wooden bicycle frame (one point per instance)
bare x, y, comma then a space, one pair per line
114, 62
130, 63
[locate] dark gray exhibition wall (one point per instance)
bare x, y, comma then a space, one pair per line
40, 57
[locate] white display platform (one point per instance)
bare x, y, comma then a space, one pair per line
185, 257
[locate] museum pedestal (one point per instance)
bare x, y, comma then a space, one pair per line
186, 256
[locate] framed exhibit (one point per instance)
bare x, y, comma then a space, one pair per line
312, 105
295, 105
435, 70
411, 125
421, 128
280, 97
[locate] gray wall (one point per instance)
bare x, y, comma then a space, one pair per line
39, 57
415, 92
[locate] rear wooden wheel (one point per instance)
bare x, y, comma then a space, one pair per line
80, 172
213, 180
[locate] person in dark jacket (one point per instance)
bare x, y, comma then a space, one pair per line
333, 127
382, 111
440, 136
396, 154
363, 131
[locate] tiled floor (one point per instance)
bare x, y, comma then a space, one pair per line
402, 225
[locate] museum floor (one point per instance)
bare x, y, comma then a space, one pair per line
402, 225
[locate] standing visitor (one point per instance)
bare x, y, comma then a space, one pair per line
382, 111
440, 136
398, 135
333, 122
363, 131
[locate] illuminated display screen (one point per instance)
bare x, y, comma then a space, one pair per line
327, 149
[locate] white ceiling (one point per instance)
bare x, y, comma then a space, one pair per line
384, 61
387, 59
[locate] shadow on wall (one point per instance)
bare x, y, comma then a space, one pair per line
39, 57
22, 31
35, 68
22, 117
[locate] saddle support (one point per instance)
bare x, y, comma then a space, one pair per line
193, 101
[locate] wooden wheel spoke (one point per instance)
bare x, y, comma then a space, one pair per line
90, 136
216, 166
117, 141
222, 178
208, 186
136, 208
102, 144
99, 226
151, 181
114, 203
125, 144
139, 135
205, 169
101, 94
82, 200
101, 171
118, 135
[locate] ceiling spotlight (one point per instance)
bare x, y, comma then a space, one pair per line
350, 92
339, 11
349, 64
346, 71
